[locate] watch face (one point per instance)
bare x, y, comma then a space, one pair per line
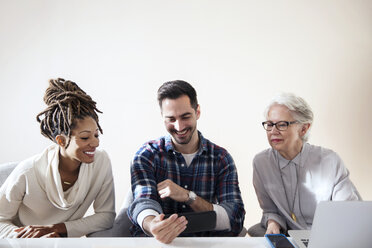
192, 195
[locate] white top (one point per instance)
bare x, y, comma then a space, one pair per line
33, 195
318, 174
189, 157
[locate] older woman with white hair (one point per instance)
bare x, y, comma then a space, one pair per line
293, 176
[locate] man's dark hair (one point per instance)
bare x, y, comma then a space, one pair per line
176, 89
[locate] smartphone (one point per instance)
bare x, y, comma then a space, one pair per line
198, 221
279, 241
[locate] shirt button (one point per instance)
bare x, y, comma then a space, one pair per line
183, 206
185, 186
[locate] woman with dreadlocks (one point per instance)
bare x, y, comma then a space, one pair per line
48, 194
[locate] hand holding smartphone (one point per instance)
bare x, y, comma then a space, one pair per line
279, 241
198, 221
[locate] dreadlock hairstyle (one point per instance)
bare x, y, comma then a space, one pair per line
66, 103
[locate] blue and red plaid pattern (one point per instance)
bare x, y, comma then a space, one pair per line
211, 175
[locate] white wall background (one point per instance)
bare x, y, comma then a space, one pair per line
237, 54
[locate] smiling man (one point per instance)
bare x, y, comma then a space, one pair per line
183, 172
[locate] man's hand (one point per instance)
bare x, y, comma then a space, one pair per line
165, 230
37, 231
167, 188
272, 227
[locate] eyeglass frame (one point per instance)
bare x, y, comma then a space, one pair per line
275, 124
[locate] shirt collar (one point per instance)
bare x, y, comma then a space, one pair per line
297, 160
202, 144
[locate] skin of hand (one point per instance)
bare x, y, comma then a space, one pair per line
167, 188
165, 230
37, 231
272, 227
51, 235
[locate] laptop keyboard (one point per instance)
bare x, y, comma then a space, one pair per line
305, 241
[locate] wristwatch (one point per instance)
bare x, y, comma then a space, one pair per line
192, 198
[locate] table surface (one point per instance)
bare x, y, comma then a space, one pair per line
235, 242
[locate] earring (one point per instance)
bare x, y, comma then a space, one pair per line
60, 141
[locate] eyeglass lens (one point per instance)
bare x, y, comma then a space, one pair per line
281, 125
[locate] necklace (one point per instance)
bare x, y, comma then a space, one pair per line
67, 180
293, 216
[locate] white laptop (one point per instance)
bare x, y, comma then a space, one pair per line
338, 224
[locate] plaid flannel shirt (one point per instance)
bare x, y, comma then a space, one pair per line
211, 175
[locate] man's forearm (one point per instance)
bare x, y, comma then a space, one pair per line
200, 205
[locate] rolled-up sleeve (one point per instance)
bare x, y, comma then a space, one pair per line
144, 186
229, 196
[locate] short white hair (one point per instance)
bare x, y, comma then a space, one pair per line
298, 108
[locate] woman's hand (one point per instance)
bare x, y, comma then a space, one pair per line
38, 231
272, 227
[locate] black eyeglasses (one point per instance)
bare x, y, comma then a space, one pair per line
280, 125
